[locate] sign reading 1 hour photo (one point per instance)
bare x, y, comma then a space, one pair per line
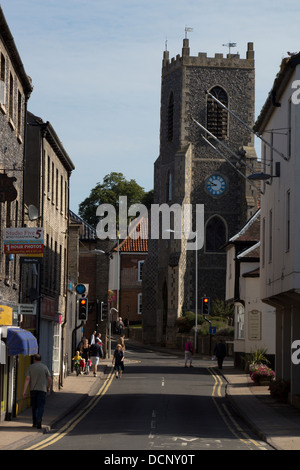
24, 241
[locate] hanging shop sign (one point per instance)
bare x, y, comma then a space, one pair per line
24, 241
8, 191
6, 315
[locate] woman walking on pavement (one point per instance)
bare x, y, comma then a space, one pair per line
118, 360
188, 353
122, 344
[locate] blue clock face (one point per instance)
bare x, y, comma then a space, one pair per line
216, 185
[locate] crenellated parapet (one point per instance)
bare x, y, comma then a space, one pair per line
219, 60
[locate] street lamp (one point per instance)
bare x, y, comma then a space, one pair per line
96, 250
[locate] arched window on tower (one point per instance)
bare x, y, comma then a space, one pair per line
170, 117
215, 234
217, 117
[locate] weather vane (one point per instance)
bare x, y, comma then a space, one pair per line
230, 45
188, 30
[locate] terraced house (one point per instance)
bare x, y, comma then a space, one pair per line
15, 90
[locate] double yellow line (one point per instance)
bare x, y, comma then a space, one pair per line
70, 425
227, 417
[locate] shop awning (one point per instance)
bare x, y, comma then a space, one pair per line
21, 342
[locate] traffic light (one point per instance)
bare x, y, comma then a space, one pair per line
205, 305
104, 310
83, 309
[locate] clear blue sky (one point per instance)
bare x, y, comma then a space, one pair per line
96, 67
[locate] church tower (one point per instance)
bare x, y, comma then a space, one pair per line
195, 168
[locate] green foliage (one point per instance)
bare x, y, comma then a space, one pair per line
220, 308
220, 323
114, 185
258, 356
187, 321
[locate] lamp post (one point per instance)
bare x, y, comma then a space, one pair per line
196, 298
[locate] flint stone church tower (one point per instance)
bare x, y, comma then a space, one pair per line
190, 171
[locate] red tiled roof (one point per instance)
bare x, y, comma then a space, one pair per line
138, 228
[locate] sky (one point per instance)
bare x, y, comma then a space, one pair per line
96, 69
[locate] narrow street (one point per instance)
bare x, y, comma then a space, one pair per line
158, 405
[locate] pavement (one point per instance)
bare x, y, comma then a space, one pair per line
276, 423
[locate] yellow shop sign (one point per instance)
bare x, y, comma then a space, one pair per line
6, 315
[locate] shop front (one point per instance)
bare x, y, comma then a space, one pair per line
16, 347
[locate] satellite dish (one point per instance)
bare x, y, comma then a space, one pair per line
33, 212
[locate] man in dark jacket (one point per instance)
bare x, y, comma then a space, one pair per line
220, 353
95, 354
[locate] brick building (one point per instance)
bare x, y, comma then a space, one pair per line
88, 264
46, 187
126, 272
190, 171
15, 90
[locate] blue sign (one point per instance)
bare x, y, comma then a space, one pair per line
212, 330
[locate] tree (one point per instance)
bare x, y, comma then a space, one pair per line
114, 185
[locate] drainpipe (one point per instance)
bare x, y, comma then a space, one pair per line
74, 337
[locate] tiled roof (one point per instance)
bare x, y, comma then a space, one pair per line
250, 231
286, 69
254, 273
87, 232
138, 228
252, 252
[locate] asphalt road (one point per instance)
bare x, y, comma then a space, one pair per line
157, 406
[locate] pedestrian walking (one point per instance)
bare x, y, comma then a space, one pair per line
220, 353
95, 354
120, 326
100, 342
93, 337
188, 353
38, 378
122, 344
122, 341
118, 361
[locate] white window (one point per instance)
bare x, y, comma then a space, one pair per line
56, 348
140, 270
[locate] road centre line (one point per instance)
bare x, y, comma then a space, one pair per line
70, 425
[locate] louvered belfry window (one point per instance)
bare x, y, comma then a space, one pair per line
217, 117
